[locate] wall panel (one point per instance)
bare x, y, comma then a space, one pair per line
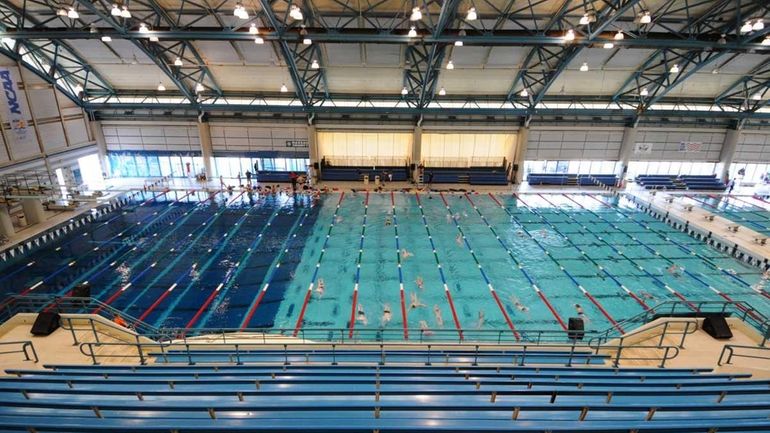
562, 143
665, 144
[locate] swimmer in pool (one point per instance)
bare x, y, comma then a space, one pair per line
520, 233
361, 315
437, 314
337, 219
425, 328
420, 282
646, 295
731, 271
480, 322
674, 270
543, 233
448, 218
414, 301
405, 254
519, 306
320, 288
388, 221
386, 315
459, 239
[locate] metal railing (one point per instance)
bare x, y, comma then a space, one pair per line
729, 351
235, 352
26, 348
663, 328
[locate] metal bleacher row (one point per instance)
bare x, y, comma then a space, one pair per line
370, 397
690, 182
572, 179
400, 173
472, 175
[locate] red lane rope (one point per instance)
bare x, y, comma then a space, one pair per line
553, 311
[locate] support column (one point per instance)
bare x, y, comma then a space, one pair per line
33, 210
626, 150
416, 153
101, 145
522, 139
728, 152
6, 225
207, 150
313, 153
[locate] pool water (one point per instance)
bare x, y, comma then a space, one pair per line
393, 262
749, 211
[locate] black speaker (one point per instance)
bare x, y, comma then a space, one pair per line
82, 291
575, 328
716, 326
45, 323
316, 165
515, 167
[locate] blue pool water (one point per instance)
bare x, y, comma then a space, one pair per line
489, 262
748, 211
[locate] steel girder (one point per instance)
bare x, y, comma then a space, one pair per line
750, 92
52, 60
163, 53
658, 76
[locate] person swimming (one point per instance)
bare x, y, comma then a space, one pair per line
480, 322
361, 315
646, 295
386, 314
449, 218
414, 301
519, 306
405, 254
543, 233
520, 233
320, 288
437, 315
425, 328
420, 282
337, 219
675, 270
580, 312
388, 221
459, 239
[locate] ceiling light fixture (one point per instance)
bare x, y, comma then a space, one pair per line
524, 93
315, 64
471, 14
240, 12
646, 18
416, 14
747, 27
307, 41
619, 35
72, 13
284, 89
412, 32
115, 11
766, 41
450, 65
674, 69
404, 91
609, 45
154, 38
442, 92
78, 89
584, 20
106, 39
258, 40
178, 62
161, 87
61, 12
570, 35
758, 25
143, 28
584, 67
295, 13
253, 29
644, 92
125, 13
199, 87
458, 43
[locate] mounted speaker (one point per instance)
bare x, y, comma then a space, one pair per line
716, 326
575, 328
45, 324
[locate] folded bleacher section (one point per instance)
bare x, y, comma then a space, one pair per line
568, 179
357, 174
277, 397
689, 182
471, 175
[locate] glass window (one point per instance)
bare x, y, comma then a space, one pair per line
165, 165
141, 166
177, 169
153, 166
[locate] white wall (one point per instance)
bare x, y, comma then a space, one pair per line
665, 144
364, 148
560, 143
144, 136
753, 147
238, 137
57, 123
463, 149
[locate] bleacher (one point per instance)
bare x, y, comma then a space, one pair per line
691, 182
471, 175
274, 176
400, 173
275, 397
571, 179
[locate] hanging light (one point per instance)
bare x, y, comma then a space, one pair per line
619, 35
240, 12
757, 96
154, 38
253, 29
442, 92
412, 32
106, 39
258, 40
450, 65
766, 41
758, 25
416, 14
125, 13
178, 62
143, 28
199, 87
315, 64
584, 67
307, 41
284, 89
674, 69
570, 35
524, 93
585, 20
646, 18
404, 91
161, 87
72, 13
61, 12
78, 89
471, 14
115, 11
644, 92
747, 27
295, 13
609, 45
458, 43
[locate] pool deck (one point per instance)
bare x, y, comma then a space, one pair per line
698, 217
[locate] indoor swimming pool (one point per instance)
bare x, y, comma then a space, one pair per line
752, 212
384, 265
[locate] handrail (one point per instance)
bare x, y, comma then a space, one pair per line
25, 344
729, 349
690, 327
235, 351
